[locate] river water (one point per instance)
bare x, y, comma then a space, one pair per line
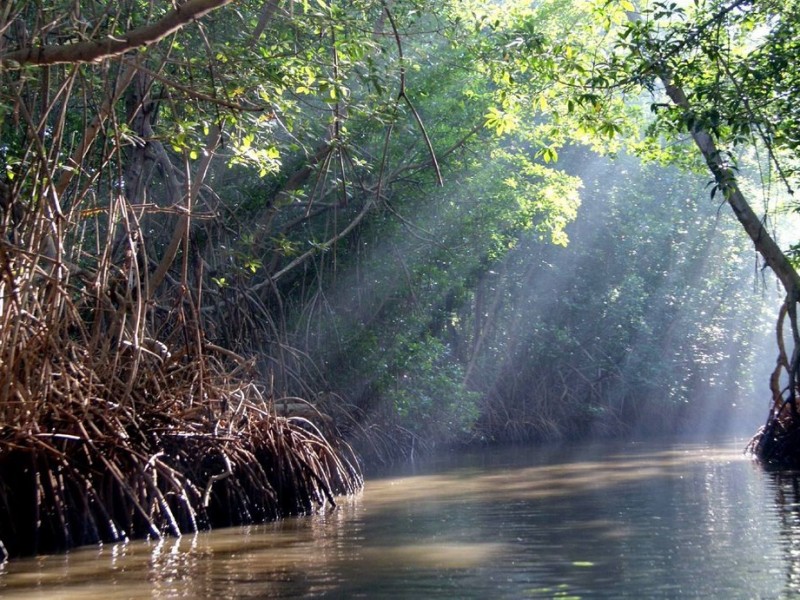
622, 520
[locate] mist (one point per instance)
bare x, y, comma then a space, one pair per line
653, 319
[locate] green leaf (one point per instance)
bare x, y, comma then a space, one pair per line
550, 155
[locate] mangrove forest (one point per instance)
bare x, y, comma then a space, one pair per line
253, 249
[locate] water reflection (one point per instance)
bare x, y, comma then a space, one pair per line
787, 504
599, 521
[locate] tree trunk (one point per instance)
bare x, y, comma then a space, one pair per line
778, 442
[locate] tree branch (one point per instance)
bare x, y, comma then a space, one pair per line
726, 181
109, 46
316, 248
182, 227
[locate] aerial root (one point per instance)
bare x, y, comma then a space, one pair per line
777, 443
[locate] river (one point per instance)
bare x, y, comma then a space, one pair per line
619, 520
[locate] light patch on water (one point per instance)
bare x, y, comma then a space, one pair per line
432, 555
543, 481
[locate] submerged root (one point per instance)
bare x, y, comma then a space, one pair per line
777, 449
777, 443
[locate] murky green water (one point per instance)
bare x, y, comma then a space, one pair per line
595, 521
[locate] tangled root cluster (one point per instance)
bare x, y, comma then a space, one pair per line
106, 436
78, 468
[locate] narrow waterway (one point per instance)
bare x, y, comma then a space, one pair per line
633, 520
